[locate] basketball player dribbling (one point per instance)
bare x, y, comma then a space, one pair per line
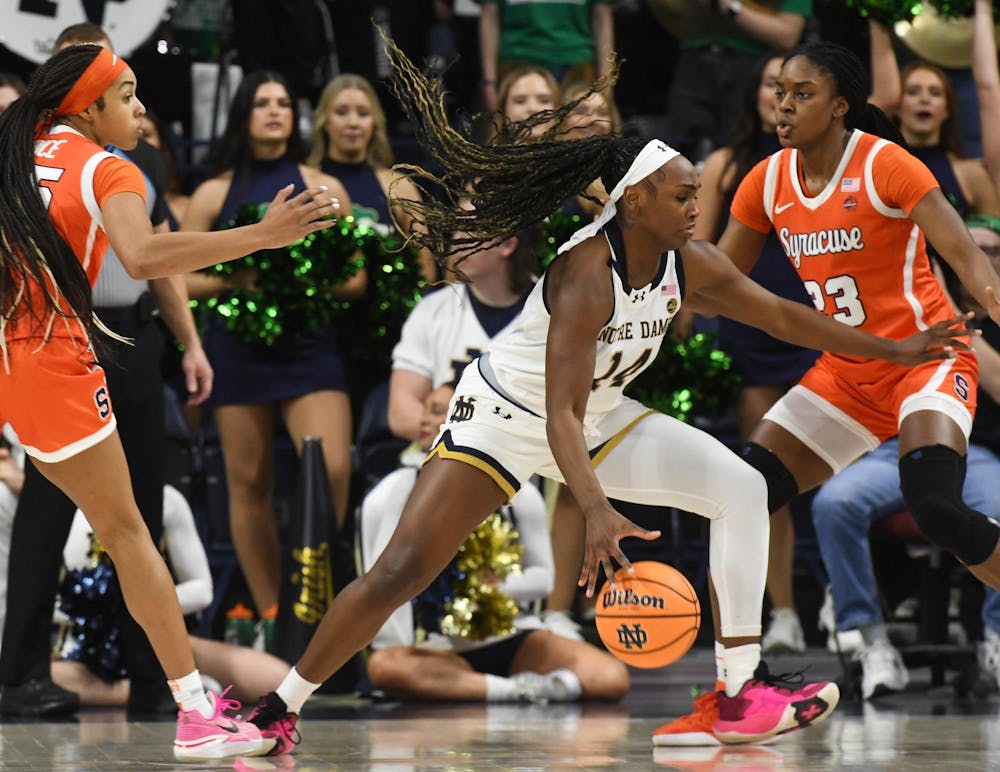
851, 210
63, 199
547, 398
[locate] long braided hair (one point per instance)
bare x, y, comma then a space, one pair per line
34, 255
514, 186
850, 80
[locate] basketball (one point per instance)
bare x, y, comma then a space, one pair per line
650, 618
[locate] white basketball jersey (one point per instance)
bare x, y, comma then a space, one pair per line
441, 336
626, 345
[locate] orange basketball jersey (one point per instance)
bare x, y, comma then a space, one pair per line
863, 261
75, 178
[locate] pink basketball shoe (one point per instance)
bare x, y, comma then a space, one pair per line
271, 716
203, 739
771, 705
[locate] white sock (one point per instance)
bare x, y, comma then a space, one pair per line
189, 694
500, 689
740, 663
295, 690
720, 662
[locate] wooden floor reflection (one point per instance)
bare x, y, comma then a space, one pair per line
926, 728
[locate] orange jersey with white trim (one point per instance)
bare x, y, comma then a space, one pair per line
75, 178
861, 258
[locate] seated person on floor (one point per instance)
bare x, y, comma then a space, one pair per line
523, 662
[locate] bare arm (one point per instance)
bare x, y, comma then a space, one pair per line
407, 391
710, 198
172, 299
355, 286
989, 367
945, 230
580, 297
978, 186
742, 244
149, 255
401, 186
603, 25
987, 78
887, 88
489, 51
989, 358
781, 30
716, 283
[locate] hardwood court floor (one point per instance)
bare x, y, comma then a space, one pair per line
925, 728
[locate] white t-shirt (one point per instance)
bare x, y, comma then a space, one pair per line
441, 335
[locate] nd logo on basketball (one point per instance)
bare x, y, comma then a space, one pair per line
632, 637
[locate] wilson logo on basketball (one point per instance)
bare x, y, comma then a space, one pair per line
630, 598
650, 616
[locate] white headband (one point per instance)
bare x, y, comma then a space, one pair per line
654, 155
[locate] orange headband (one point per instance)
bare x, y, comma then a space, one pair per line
99, 74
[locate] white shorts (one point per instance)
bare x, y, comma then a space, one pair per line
509, 443
839, 439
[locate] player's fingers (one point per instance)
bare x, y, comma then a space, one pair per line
307, 197
609, 571
622, 560
283, 194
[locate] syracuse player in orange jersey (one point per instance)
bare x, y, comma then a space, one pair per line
851, 210
62, 200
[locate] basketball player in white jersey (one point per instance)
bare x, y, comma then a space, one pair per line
547, 398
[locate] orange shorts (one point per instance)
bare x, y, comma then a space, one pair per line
56, 398
879, 396
842, 409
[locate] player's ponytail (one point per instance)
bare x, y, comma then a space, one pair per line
850, 82
514, 185
35, 258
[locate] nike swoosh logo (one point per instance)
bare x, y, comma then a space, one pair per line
783, 207
232, 728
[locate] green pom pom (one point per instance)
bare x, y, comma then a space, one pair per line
559, 226
692, 378
292, 287
887, 12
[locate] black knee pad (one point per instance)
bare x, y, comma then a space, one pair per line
931, 479
781, 485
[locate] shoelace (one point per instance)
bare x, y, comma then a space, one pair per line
222, 704
785, 681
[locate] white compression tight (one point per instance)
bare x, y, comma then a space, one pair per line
664, 462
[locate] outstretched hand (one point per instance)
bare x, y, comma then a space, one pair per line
289, 219
605, 528
993, 309
939, 341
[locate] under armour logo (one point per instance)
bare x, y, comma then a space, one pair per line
638, 297
632, 637
464, 408
499, 412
